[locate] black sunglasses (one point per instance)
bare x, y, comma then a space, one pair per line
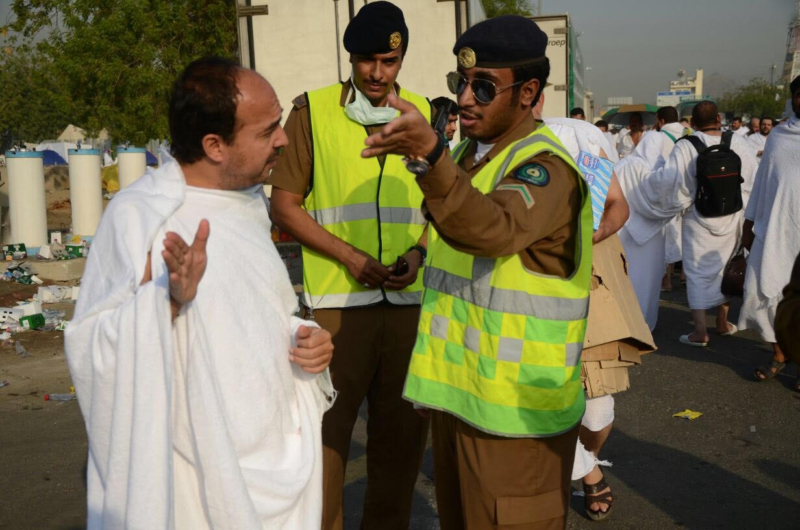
484, 90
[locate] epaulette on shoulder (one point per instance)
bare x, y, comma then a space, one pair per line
300, 101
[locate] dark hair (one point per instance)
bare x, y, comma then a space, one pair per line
576, 111
761, 120
705, 114
539, 70
668, 114
440, 102
203, 101
736, 118
601, 123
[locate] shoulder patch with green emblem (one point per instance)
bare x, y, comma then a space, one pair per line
534, 174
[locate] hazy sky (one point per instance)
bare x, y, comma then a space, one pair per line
635, 47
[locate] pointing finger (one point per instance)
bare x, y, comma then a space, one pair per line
401, 104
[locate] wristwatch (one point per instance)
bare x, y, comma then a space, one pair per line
422, 250
420, 166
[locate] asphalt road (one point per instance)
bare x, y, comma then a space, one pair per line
737, 466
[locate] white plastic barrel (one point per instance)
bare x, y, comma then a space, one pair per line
132, 164
85, 190
26, 198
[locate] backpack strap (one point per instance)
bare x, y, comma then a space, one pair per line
696, 142
727, 136
674, 140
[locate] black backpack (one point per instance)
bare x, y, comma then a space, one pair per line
719, 177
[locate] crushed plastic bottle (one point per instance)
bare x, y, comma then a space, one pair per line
60, 397
21, 351
4, 383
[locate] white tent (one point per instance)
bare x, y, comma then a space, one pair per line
59, 147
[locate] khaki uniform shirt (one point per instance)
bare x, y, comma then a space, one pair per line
543, 231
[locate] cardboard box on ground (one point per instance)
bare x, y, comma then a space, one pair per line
616, 334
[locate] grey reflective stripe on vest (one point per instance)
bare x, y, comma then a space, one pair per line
509, 350
459, 150
480, 292
367, 210
360, 299
408, 216
404, 297
334, 301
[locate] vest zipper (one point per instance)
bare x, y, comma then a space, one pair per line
378, 208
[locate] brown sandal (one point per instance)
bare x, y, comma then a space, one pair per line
592, 495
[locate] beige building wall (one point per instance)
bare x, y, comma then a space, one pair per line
295, 45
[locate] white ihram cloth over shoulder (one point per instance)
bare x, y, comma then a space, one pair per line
580, 135
757, 142
708, 243
656, 147
204, 423
644, 236
774, 209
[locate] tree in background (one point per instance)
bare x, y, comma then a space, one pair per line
33, 106
496, 8
757, 98
114, 61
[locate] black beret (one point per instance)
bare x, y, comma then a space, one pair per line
795, 86
501, 42
379, 27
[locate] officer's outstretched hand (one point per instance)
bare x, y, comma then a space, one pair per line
409, 134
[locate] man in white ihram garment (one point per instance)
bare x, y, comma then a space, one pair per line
202, 394
647, 273
758, 140
738, 127
597, 422
634, 131
771, 233
708, 242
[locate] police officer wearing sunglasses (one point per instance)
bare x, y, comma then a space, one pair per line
497, 357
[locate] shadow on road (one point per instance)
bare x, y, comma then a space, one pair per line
719, 499
741, 353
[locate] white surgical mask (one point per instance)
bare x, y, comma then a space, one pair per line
361, 110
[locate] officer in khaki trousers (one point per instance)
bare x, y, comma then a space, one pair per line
355, 217
498, 350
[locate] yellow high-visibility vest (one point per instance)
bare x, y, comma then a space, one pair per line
372, 207
499, 346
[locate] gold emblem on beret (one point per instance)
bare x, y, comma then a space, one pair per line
467, 58
395, 40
